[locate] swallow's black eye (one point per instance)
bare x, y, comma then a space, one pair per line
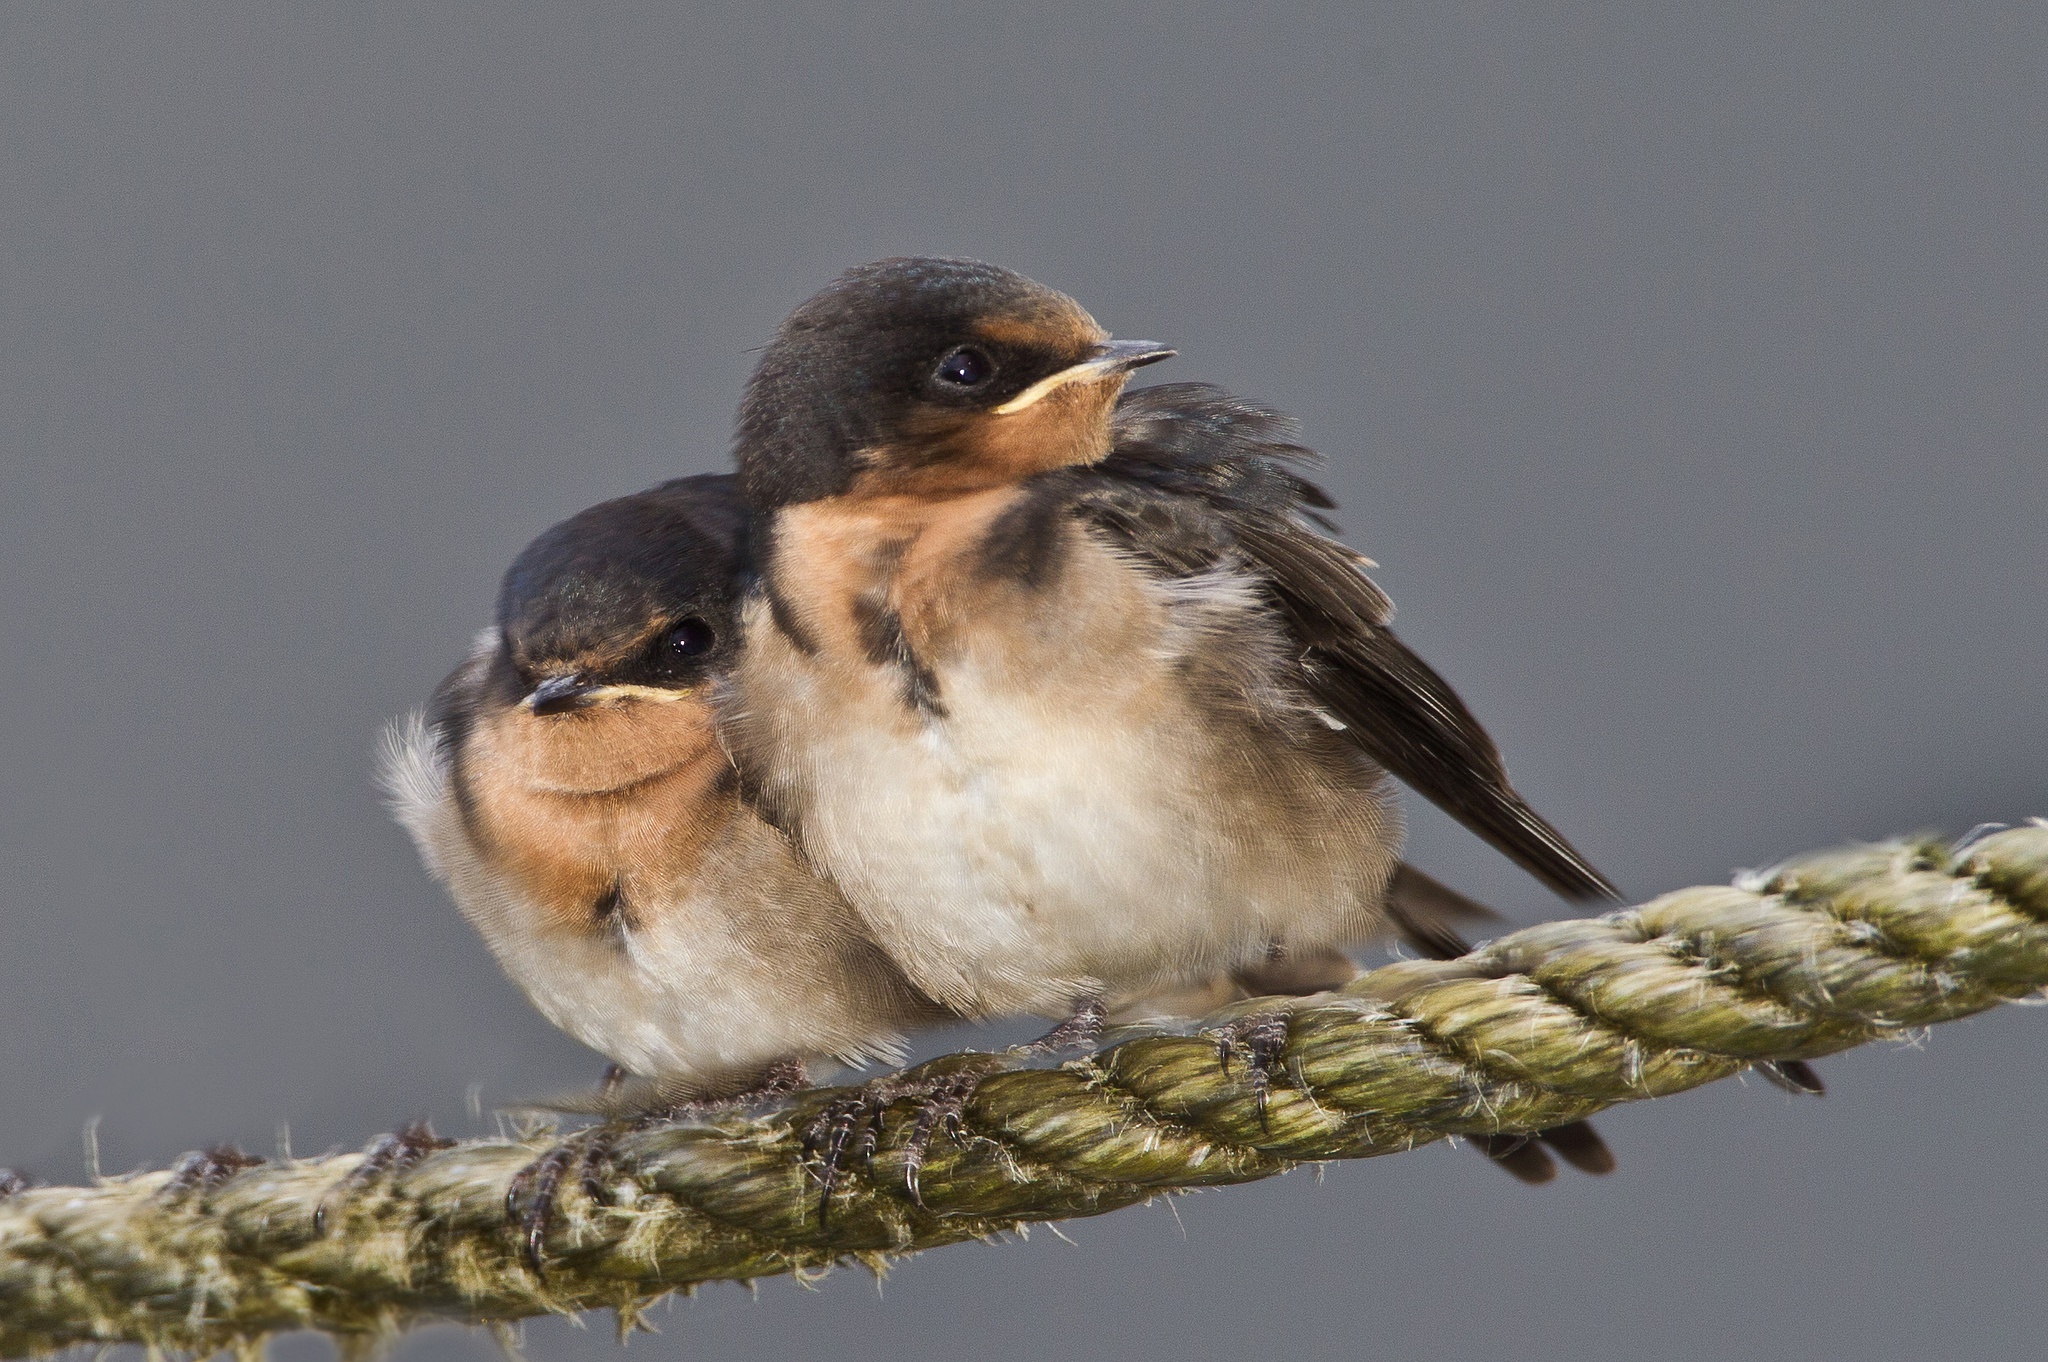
691, 638
966, 367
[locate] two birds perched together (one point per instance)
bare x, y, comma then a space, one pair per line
985, 688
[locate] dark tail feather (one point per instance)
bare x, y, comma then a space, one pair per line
1794, 1076
1579, 1145
1520, 1155
1420, 908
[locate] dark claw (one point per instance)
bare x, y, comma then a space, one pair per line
393, 1153
853, 1125
1579, 1145
944, 1108
12, 1183
853, 1122
540, 1184
1260, 1038
1520, 1155
597, 1159
1794, 1076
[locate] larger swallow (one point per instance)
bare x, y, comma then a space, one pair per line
1069, 692
1072, 696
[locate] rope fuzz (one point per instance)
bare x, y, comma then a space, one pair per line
1540, 1028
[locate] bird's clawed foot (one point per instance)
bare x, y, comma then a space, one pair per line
1259, 1040
531, 1198
850, 1128
202, 1170
535, 1192
943, 1106
1080, 1031
780, 1079
390, 1153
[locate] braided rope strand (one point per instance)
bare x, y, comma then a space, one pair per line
1542, 1027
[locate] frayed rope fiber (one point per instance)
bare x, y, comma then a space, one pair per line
1537, 1029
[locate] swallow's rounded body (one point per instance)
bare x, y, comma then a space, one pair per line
1063, 691
597, 840
1092, 783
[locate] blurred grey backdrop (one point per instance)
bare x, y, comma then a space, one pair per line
1684, 371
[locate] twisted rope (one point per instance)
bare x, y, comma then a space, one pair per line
1542, 1027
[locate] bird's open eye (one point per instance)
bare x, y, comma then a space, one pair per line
691, 637
966, 367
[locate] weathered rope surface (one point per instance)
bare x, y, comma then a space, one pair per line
1539, 1028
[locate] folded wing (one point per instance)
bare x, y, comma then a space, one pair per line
1198, 477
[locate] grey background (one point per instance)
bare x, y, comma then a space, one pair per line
1685, 372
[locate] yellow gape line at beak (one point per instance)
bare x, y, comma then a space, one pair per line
664, 694
1111, 357
566, 694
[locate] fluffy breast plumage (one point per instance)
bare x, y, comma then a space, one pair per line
698, 974
1111, 788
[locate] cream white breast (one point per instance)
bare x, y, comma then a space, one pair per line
1103, 795
718, 953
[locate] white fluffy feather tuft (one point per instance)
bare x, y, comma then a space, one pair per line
412, 771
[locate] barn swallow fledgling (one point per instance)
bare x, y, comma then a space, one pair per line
1062, 690
569, 788
1067, 693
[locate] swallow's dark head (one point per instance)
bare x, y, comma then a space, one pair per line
636, 598
925, 373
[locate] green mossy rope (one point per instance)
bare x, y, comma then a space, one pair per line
1539, 1028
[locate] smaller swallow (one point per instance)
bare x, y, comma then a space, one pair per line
568, 786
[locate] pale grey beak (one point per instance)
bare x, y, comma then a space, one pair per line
1128, 354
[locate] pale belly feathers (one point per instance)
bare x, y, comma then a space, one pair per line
720, 975
1110, 795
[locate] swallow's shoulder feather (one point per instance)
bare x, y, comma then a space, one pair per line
1189, 466
1197, 479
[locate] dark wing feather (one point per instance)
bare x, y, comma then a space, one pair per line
1196, 476
1399, 710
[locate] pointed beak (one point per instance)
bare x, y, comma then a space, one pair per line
1120, 356
1110, 357
561, 694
